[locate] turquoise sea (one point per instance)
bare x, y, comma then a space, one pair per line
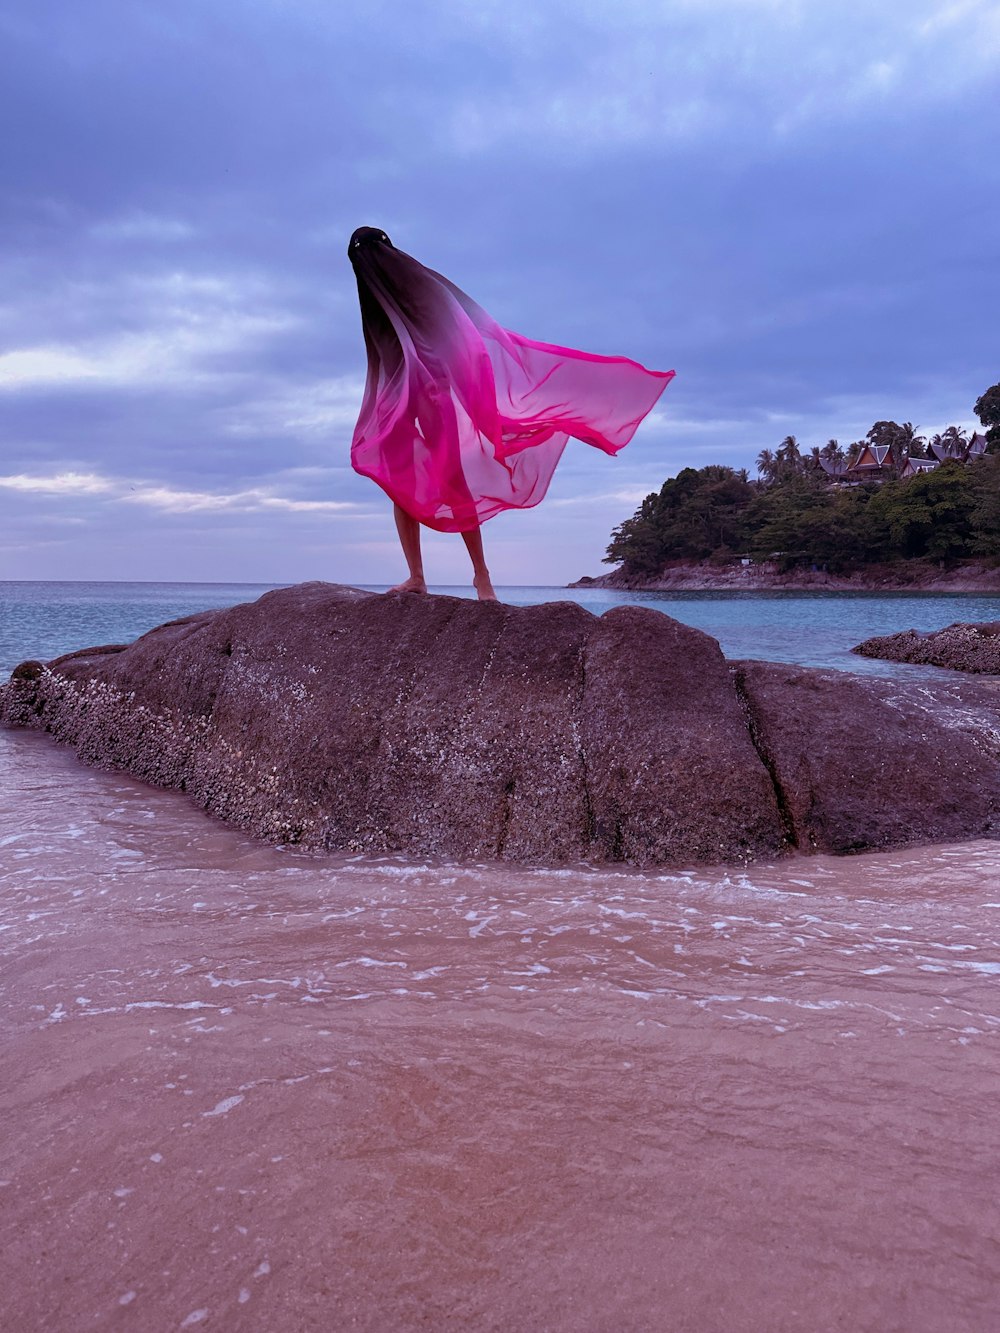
43, 619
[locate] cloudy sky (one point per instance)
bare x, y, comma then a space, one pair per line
793, 204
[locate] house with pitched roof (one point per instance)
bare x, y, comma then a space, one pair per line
914, 467
874, 462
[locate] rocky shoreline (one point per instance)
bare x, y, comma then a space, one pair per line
914, 576
435, 726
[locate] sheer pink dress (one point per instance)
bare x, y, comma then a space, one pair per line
462, 418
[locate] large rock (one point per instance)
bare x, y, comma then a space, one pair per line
438, 726
432, 725
860, 763
962, 647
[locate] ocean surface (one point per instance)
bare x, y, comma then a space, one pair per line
247, 1088
41, 620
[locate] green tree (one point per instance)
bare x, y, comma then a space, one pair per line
832, 452
635, 543
767, 464
694, 515
929, 515
792, 522
788, 457
954, 438
888, 433
863, 531
912, 443
985, 474
950, 513
987, 409
903, 440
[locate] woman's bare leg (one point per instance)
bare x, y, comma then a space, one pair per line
409, 538
480, 574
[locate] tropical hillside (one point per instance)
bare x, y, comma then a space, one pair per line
892, 496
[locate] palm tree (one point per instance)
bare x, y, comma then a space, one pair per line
832, 452
788, 451
955, 441
909, 443
766, 464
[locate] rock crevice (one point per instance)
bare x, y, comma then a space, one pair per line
766, 758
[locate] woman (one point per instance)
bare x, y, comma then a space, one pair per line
462, 418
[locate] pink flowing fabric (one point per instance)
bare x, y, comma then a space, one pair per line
462, 418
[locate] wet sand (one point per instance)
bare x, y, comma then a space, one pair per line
250, 1090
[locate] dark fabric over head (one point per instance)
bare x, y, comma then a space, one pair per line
462, 418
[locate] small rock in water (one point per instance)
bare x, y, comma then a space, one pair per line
968, 647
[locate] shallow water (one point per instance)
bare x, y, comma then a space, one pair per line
250, 1089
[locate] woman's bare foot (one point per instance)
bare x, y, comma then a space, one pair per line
412, 584
484, 588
